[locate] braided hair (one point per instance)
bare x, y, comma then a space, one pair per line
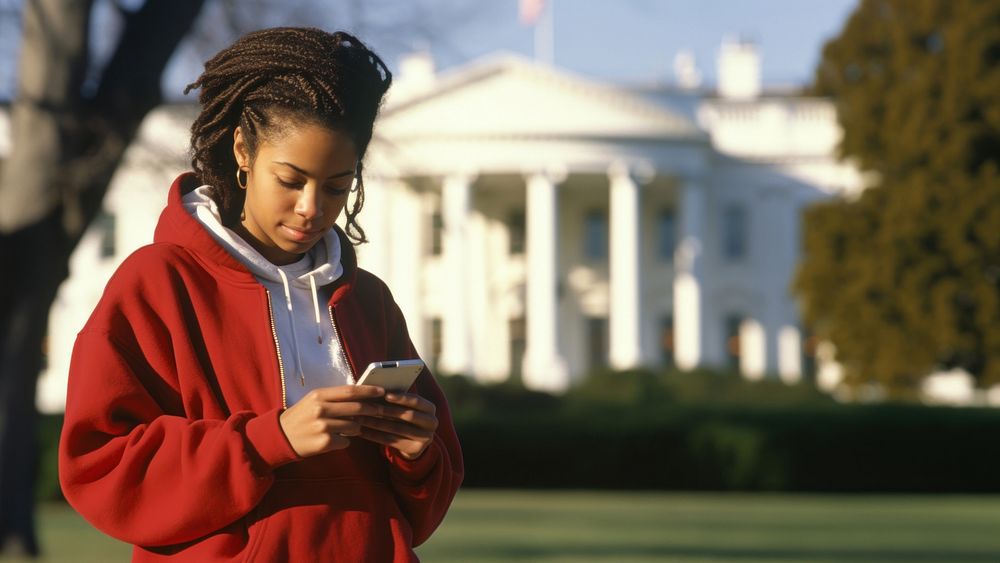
271, 80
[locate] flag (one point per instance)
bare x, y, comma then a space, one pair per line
530, 11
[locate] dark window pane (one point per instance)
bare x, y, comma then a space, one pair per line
666, 235
597, 343
734, 231
595, 235
437, 232
518, 343
516, 230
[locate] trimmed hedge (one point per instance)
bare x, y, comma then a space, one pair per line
858, 448
710, 431
700, 431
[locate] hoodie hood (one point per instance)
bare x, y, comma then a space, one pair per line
188, 221
320, 266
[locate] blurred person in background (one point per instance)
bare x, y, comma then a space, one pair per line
212, 413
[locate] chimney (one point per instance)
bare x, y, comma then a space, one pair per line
416, 74
738, 70
686, 71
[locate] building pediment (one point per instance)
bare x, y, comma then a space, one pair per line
511, 97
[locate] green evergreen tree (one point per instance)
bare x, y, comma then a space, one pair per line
905, 279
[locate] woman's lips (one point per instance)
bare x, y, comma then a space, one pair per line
300, 235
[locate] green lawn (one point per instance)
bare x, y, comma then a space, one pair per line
552, 526
596, 526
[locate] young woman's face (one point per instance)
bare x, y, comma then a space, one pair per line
295, 189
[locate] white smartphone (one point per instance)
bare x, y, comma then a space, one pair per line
396, 375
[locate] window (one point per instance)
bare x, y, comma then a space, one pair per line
666, 235
518, 342
595, 235
667, 340
105, 225
733, 323
437, 233
597, 343
734, 231
516, 231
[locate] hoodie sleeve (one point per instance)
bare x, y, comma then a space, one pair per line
427, 485
147, 477
149, 454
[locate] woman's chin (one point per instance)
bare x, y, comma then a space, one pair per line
297, 247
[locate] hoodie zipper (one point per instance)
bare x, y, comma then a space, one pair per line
277, 350
343, 350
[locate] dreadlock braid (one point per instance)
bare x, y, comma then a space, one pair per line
272, 79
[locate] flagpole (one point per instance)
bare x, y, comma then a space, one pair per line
545, 34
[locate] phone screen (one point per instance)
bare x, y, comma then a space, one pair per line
392, 375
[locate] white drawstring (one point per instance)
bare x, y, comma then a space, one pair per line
319, 327
288, 293
291, 321
319, 331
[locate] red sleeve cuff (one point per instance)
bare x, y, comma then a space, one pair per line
268, 440
416, 469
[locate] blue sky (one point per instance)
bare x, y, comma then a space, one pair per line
623, 41
634, 41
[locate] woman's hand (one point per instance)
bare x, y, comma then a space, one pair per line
406, 423
325, 417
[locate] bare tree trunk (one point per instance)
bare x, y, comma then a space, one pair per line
65, 149
33, 243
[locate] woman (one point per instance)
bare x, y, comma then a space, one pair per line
211, 412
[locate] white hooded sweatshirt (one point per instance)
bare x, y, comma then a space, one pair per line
311, 352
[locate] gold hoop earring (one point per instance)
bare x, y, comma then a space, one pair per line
242, 184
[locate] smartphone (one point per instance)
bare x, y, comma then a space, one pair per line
395, 375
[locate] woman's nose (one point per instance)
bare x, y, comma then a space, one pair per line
308, 205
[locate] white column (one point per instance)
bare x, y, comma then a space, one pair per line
543, 367
625, 349
477, 266
456, 205
790, 354
408, 222
688, 278
753, 356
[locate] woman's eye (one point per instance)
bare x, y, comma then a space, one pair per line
287, 183
337, 190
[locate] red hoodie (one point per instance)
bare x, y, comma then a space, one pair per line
171, 439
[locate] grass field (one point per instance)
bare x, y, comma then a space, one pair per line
485, 526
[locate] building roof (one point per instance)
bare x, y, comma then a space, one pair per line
508, 96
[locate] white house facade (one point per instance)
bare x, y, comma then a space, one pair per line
537, 225
542, 226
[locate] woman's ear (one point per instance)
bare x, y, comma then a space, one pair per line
240, 151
